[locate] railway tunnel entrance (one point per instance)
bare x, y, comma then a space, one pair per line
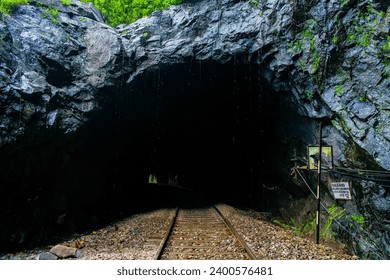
211, 127
201, 124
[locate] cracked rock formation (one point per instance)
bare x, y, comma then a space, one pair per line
58, 74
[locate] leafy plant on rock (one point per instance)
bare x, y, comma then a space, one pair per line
54, 14
339, 90
359, 219
335, 214
308, 226
66, 2
365, 26
307, 45
386, 46
51, 13
6, 6
254, 3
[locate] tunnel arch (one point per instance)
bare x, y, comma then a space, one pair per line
210, 125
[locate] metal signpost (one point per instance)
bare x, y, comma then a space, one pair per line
317, 161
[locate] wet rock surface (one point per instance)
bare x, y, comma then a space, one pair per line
58, 74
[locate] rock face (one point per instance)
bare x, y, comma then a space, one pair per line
47, 257
62, 251
322, 58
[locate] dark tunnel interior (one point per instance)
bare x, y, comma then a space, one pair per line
202, 125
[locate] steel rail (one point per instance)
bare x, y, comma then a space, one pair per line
232, 230
165, 239
248, 250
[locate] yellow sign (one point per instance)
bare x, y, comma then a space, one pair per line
326, 159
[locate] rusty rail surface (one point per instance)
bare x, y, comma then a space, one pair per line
202, 234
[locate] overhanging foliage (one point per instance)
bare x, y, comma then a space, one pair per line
127, 11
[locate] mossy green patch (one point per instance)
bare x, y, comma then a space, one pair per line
6, 6
339, 90
66, 2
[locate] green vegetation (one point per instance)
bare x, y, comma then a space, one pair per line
309, 94
54, 13
127, 11
365, 26
308, 46
66, 2
364, 31
335, 40
254, 3
359, 219
281, 224
307, 227
296, 46
335, 213
339, 90
6, 6
344, 2
51, 13
152, 179
386, 46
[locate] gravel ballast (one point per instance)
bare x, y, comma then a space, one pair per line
139, 236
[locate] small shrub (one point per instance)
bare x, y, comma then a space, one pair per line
335, 213
386, 46
254, 3
53, 13
382, 14
350, 38
66, 2
359, 219
6, 6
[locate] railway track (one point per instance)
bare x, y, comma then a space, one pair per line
202, 234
